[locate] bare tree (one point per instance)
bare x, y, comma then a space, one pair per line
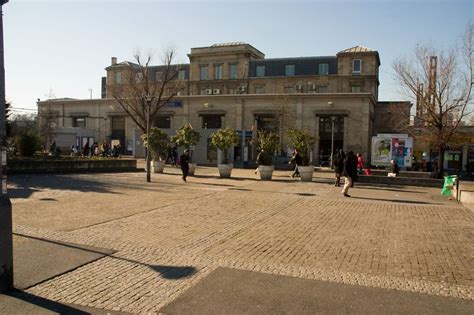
148, 89
440, 83
48, 121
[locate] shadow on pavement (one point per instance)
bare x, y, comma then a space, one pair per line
25, 185
173, 272
13, 306
398, 200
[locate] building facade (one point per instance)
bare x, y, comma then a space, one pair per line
234, 85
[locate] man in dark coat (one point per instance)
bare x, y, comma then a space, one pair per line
349, 172
296, 161
184, 161
338, 167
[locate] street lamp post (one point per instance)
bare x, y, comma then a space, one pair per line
6, 236
332, 141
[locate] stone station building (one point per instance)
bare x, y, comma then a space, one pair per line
234, 85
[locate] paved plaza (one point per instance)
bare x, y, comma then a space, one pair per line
168, 236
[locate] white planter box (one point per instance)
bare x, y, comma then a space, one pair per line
225, 170
158, 166
192, 168
266, 171
306, 173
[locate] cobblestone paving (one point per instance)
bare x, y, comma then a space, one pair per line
176, 234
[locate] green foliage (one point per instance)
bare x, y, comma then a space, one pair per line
267, 144
303, 141
158, 143
27, 144
186, 136
224, 139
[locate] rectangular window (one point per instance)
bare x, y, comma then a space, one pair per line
356, 66
322, 89
355, 89
118, 123
259, 90
203, 72
211, 121
181, 74
323, 69
289, 89
118, 77
233, 72
163, 122
260, 71
289, 70
79, 122
218, 72
158, 76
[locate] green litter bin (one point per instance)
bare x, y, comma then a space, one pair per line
449, 182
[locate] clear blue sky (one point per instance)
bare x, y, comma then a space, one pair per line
65, 45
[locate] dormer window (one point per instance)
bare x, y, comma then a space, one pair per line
290, 70
323, 69
158, 76
260, 72
356, 66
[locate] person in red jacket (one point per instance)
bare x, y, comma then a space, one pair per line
360, 163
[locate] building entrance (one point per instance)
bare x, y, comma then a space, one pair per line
326, 132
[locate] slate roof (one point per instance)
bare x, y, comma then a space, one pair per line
303, 65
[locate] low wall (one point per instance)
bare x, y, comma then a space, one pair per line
70, 166
402, 173
405, 181
464, 192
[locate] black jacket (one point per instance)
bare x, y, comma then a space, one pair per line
184, 160
350, 166
296, 159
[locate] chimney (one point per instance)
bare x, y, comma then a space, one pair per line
114, 61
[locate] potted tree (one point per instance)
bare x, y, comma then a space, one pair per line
158, 143
223, 139
303, 141
187, 137
267, 143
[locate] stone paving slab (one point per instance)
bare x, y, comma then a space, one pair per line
407, 239
229, 291
37, 260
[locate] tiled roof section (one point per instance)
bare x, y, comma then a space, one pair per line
357, 49
303, 65
229, 44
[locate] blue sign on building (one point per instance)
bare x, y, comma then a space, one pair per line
174, 104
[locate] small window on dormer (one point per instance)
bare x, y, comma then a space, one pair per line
290, 70
158, 76
356, 66
260, 71
323, 69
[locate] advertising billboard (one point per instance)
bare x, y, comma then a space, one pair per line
387, 147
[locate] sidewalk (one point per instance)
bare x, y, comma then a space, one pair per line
168, 239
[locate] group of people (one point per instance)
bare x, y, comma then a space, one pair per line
349, 166
172, 156
96, 150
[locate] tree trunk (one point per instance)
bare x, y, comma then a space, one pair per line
441, 161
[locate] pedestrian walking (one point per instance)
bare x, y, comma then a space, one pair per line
349, 172
295, 161
184, 162
85, 150
259, 160
339, 167
175, 156
360, 163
